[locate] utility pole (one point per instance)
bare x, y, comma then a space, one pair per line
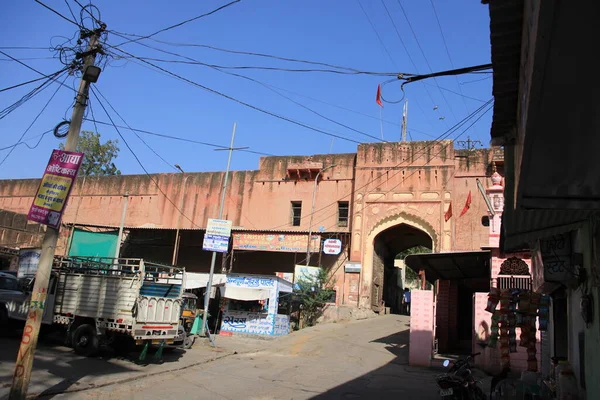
404, 120
121, 226
214, 254
177, 239
24, 363
469, 144
312, 212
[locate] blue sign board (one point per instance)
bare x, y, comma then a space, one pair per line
217, 243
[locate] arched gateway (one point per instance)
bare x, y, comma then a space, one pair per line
389, 237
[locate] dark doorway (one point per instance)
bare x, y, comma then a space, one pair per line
387, 290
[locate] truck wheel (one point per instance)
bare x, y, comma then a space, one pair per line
85, 341
188, 342
4, 322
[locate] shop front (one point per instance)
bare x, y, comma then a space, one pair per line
251, 305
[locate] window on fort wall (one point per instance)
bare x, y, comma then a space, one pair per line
296, 212
343, 213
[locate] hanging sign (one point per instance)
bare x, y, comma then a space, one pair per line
332, 246
52, 195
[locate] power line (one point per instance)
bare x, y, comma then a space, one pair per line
33, 122
424, 56
437, 18
22, 84
242, 102
134, 132
22, 48
265, 68
269, 87
459, 94
216, 146
179, 24
249, 53
139, 162
57, 13
41, 136
376, 33
32, 93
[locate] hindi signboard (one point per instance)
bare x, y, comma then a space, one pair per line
288, 243
332, 246
219, 227
52, 195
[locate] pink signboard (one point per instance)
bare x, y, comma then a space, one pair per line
51, 197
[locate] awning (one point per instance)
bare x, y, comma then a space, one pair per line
521, 228
451, 265
246, 294
199, 280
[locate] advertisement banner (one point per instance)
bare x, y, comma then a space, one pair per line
52, 195
288, 243
219, 244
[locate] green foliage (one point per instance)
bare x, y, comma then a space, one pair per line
98, 159
411, 275
314, 293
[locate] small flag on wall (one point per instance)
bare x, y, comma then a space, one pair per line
467, 205
378, 98
448, 214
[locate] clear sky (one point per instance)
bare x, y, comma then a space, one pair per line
332, 31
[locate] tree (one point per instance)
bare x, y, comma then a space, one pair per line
314, 291
98, 159
411, 275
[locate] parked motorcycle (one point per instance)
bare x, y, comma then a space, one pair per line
458, 383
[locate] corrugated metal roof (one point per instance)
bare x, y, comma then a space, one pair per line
506, 30
234, 229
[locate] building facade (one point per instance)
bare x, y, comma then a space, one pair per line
379, 201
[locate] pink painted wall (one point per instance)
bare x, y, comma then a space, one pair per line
421, 328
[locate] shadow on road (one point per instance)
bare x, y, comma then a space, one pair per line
57, 368
392, 381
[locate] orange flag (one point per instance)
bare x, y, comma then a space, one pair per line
378, 98
448, 214
467, 205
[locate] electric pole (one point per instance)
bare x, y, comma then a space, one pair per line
213, 260
469, 144
25, 356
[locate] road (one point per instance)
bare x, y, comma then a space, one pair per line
356, 360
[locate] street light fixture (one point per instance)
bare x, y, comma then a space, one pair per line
312, 211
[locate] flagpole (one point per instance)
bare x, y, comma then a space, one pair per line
381, 124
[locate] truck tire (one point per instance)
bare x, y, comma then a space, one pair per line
188, 342
85, 341
4, 321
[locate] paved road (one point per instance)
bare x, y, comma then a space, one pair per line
357, 360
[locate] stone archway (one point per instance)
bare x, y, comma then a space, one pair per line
392, 228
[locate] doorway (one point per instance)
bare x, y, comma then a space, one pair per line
387, 288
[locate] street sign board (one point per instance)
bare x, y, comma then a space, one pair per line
352, 267
219, 244
218, 227
332, 246
56, 184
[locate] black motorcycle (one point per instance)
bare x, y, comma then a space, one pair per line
458, 383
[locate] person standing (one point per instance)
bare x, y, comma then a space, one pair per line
406, 301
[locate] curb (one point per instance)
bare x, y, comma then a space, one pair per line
47, 393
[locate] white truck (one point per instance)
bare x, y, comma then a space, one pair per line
114, 302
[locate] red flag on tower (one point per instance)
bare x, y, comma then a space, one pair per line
378, 98
448, 214
467, 205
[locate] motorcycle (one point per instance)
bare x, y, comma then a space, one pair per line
458, 383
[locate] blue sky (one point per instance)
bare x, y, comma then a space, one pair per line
333, 31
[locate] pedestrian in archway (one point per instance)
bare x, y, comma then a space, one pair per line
406, 301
